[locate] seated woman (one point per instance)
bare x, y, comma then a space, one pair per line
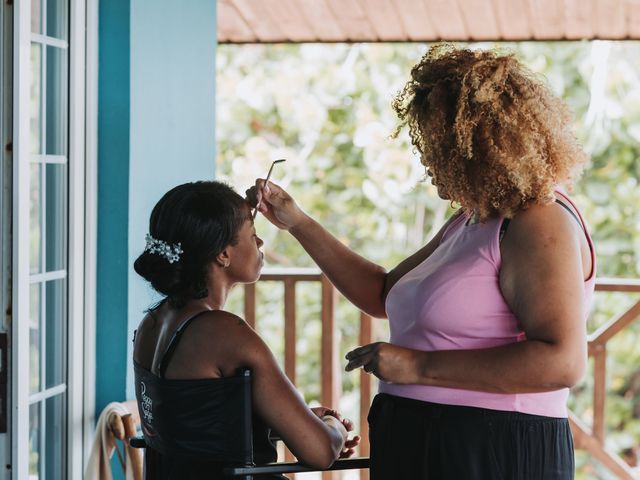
201, 243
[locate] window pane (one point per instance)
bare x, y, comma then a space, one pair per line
56, 333
56, 103
35, 302
47, 438
34, 441
36, 98
35, 219
55, 226
36, 16
55, 437
57, 14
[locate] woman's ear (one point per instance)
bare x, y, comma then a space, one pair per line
222, 259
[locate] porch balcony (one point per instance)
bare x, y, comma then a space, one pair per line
106, 105
589, 427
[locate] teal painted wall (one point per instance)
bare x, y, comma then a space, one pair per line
173, 67
156, 126
113, 201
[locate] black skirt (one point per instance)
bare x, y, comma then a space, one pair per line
412, 440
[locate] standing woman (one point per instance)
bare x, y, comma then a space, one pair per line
201, 243
488, 320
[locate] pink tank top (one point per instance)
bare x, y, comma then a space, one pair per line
452, 301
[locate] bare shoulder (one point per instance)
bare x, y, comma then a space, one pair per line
222, 325
227, 339
543, 236
541, 225
146, 337
149, 322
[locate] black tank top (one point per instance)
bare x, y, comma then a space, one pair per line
186, 423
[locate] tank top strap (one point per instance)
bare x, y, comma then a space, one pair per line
583, 224
164, 361
575, 213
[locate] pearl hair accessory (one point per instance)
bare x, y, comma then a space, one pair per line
171, 252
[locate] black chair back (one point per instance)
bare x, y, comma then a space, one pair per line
230, 434
205, 419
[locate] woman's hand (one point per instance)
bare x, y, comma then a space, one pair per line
275, 204
350, 443
390, 363
322, 411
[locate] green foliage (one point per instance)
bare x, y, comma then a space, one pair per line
326, 109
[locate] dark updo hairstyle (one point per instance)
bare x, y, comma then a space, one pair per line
204, 217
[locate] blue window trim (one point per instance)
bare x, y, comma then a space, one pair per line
113, 200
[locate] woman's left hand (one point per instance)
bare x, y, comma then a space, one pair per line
351, 443
322, 411
390, 363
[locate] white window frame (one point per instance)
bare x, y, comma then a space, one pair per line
19, 385
90, 224
81, 236
77, 250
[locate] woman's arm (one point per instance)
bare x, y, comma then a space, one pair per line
315, 441
545, 260
358, 279
362, 282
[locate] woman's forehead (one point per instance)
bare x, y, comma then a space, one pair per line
246, 210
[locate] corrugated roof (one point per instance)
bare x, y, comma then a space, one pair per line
269, 21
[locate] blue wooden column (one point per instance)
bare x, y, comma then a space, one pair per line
113, 200
157, 130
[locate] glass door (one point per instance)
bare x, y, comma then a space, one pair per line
48, 238
47, 247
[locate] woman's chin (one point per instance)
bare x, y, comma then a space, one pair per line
258, 273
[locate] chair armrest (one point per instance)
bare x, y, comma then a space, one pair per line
296, 467
137, 442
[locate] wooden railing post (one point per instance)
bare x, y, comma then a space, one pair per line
290, 329
365, 337
599, 391
331, 387
290, 342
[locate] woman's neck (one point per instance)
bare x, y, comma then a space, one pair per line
218, 290
474, 217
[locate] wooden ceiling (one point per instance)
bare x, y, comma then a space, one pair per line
274, 21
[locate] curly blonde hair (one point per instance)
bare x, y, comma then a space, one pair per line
494, 137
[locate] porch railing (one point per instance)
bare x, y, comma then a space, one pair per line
590, 439
593, 439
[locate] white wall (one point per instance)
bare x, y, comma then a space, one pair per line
173, 46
